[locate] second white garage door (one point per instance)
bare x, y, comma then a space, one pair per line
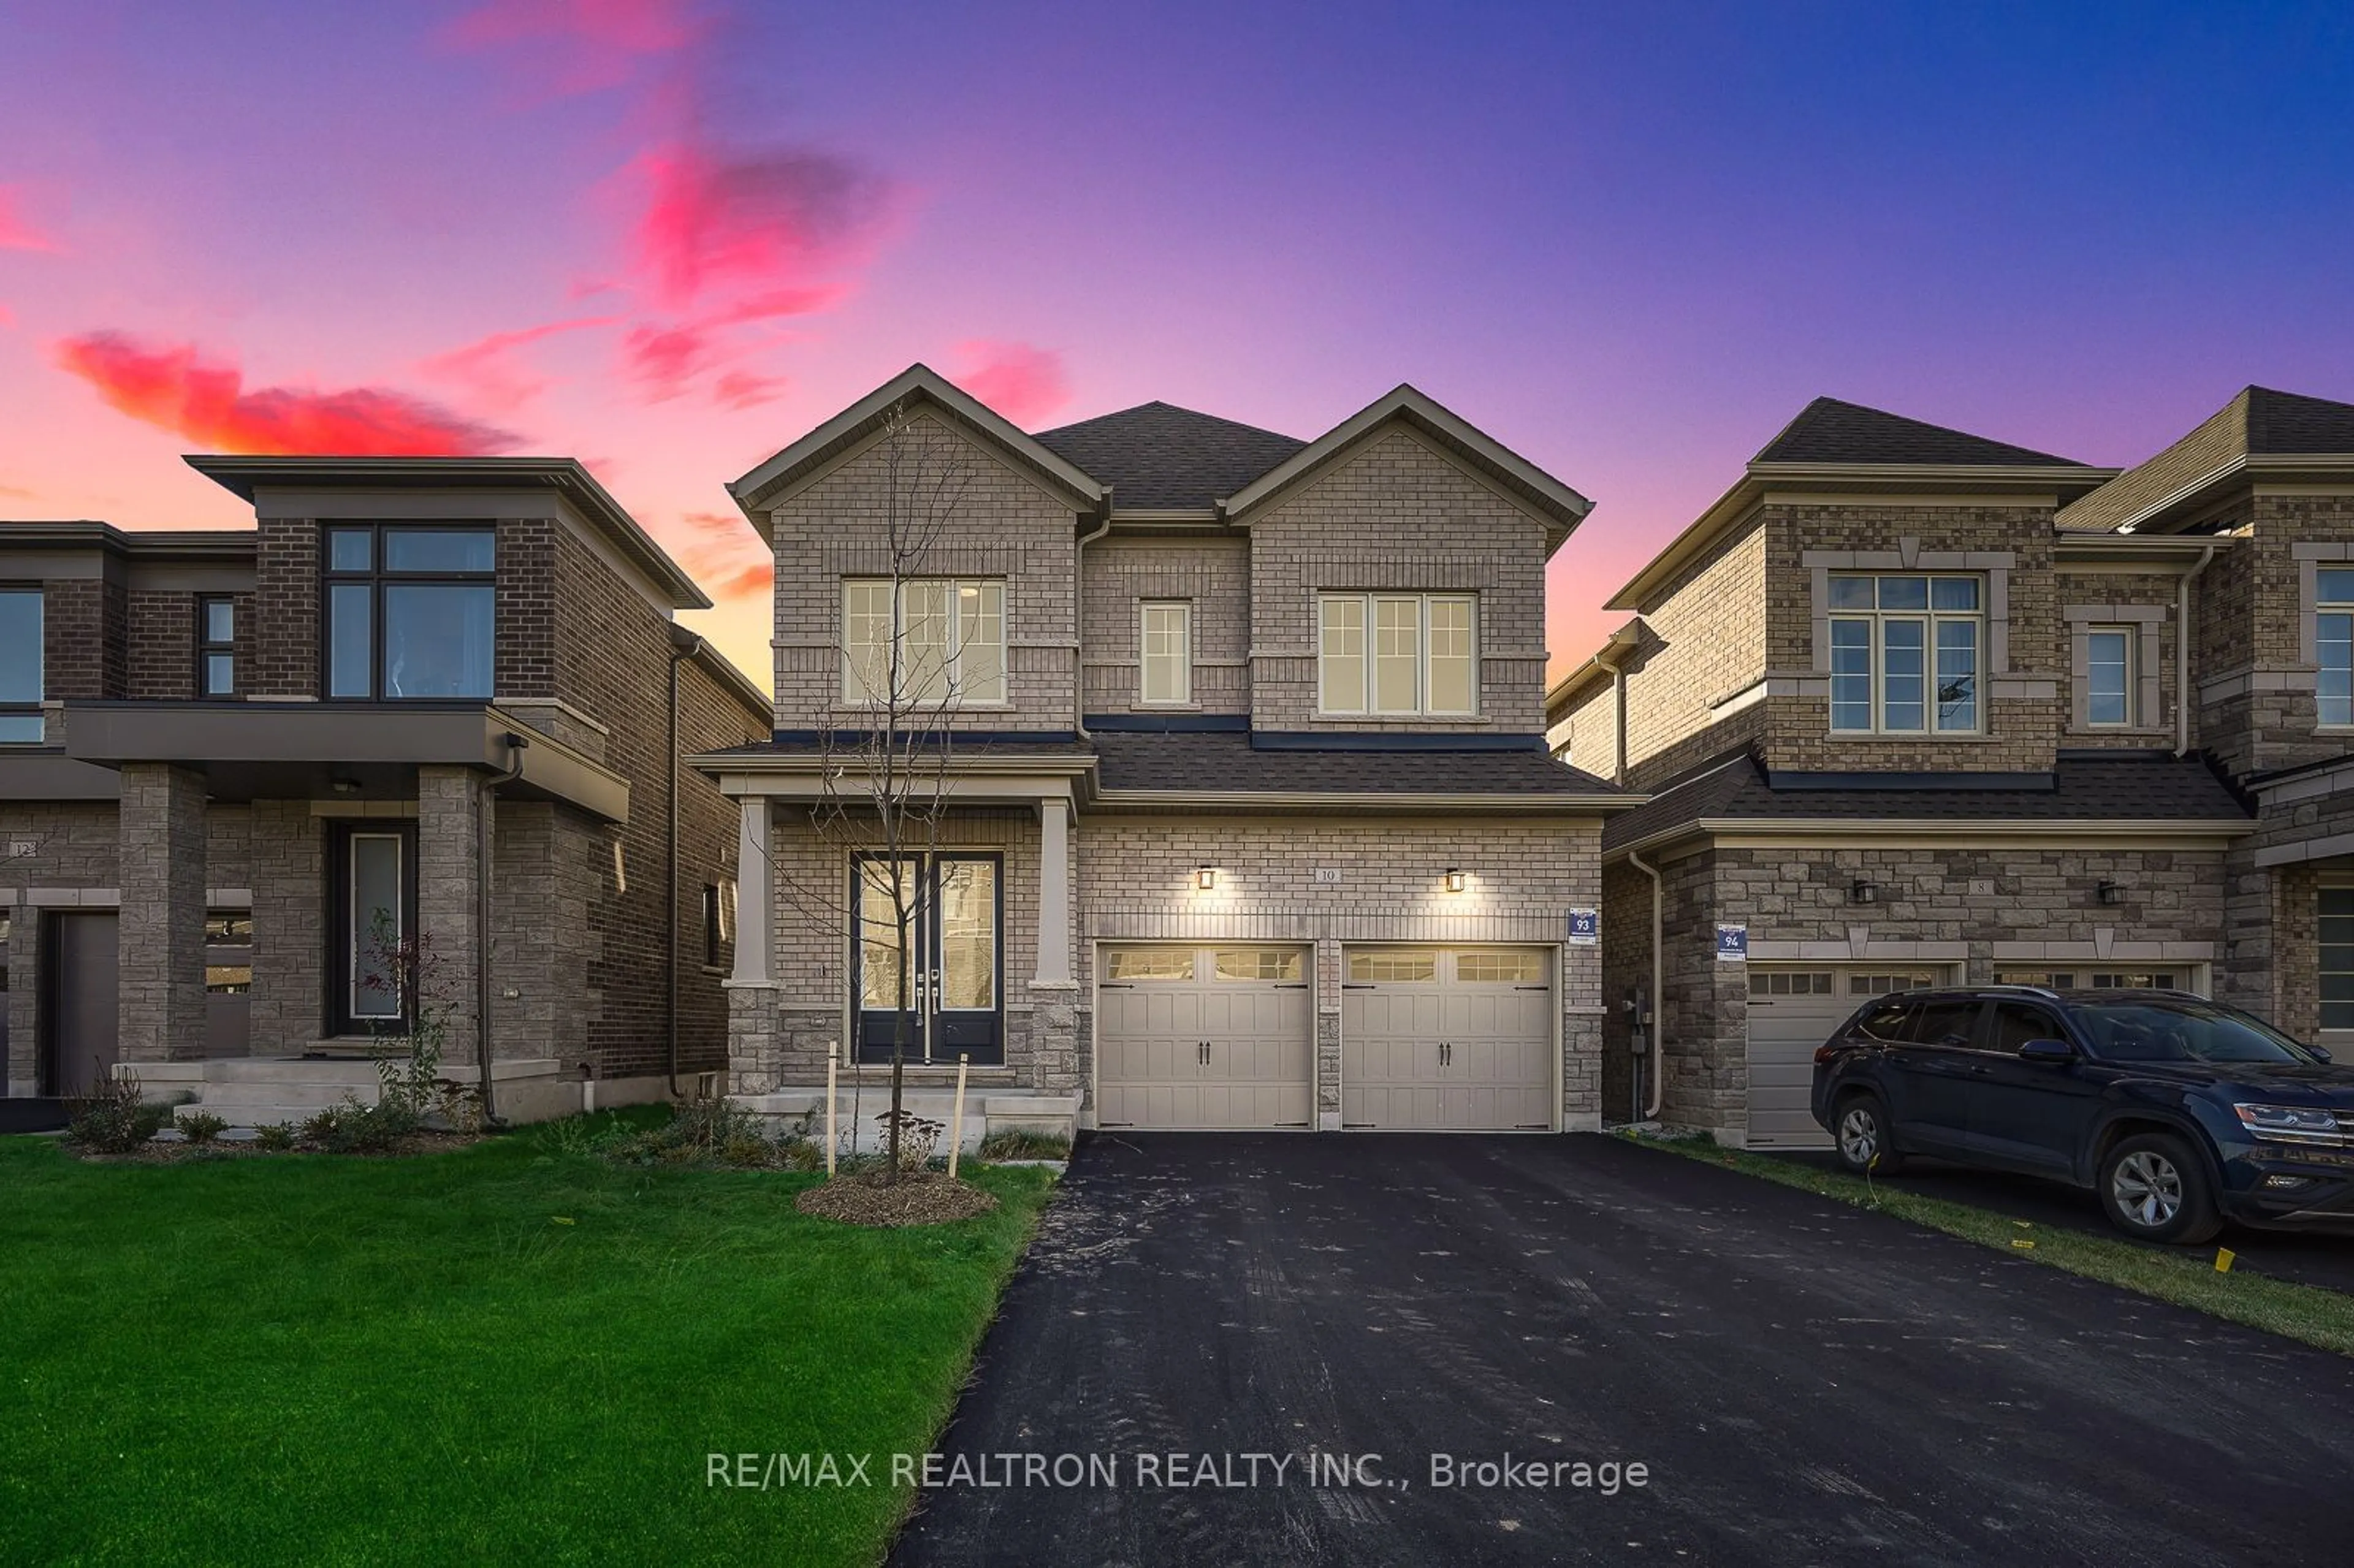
1205, 1038
1454, 1039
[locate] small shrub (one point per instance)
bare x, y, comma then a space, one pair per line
1025, 1146
748, 1151
113, 1119
801, 1154
577, 1136
275, 1138
349, 1127
200, 1127
918, 1136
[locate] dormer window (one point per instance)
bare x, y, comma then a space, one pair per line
1905, 651
411, 611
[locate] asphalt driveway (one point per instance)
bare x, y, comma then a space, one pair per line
1803, 1381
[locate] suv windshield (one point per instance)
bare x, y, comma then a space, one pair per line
2152, 1030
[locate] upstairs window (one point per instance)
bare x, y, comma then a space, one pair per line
937, 640
1165, 637
21, 665
1904, 653
2109, 675
2333, 643
1399, 655
215, 646
411, 611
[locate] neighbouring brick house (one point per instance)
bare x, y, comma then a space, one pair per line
1916, 707
231, 763
1249, 820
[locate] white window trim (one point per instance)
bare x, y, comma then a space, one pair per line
1184, 697
1877, 622
1367, 600
2131, 637
851, 697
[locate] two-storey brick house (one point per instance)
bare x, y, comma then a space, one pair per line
428, 697
1908, 712
1249, 820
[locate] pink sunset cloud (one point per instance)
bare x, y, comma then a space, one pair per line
714, 221
490, 369
174, 387
17, 232
1024, 383
721, 552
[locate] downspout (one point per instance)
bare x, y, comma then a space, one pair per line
1658, 1002
683, 645
483, 849
1617, 724
2182, 653
1078, 598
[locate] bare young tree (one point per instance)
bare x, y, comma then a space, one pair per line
916, 644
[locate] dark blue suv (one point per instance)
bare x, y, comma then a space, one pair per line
2178, 1112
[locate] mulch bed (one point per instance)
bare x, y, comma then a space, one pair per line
916, 1199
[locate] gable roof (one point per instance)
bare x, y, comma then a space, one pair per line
243, 475
1845, 446
1557, 504
1831, 432
2259, 427
918, 383
1157, 457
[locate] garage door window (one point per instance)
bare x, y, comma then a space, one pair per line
1256, 964
1803, 983
2095, 980
1511, 969
1129, 965
1881, 985
1393, 968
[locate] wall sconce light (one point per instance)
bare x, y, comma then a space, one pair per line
1862, 892
2110, 893
1456, 879
1206, 878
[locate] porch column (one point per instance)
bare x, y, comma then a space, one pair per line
754, 900
161, 973
1055, 894
289, 1000
448, 865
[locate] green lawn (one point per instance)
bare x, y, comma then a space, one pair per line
2186, 1277
499, 1352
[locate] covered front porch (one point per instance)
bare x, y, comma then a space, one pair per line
980, 973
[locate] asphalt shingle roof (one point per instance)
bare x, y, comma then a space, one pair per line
2134, 789
2289, 423
1226, 763
1829, 431
1157, 455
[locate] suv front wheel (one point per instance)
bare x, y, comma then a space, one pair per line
2154, 1188
1859, 1131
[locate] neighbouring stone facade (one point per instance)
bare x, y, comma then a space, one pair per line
162, 963
1970, 913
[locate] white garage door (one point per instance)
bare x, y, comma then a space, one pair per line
1791, 1011
1205, 1038
1456, 1039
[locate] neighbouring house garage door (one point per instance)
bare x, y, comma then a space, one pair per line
1456, 1039
1791, 1011
1205, 1038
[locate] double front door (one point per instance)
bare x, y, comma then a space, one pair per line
927, 956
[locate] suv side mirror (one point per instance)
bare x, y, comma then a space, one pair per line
2051, 1051
2318, 1054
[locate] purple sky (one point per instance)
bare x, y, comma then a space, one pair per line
1629, 241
